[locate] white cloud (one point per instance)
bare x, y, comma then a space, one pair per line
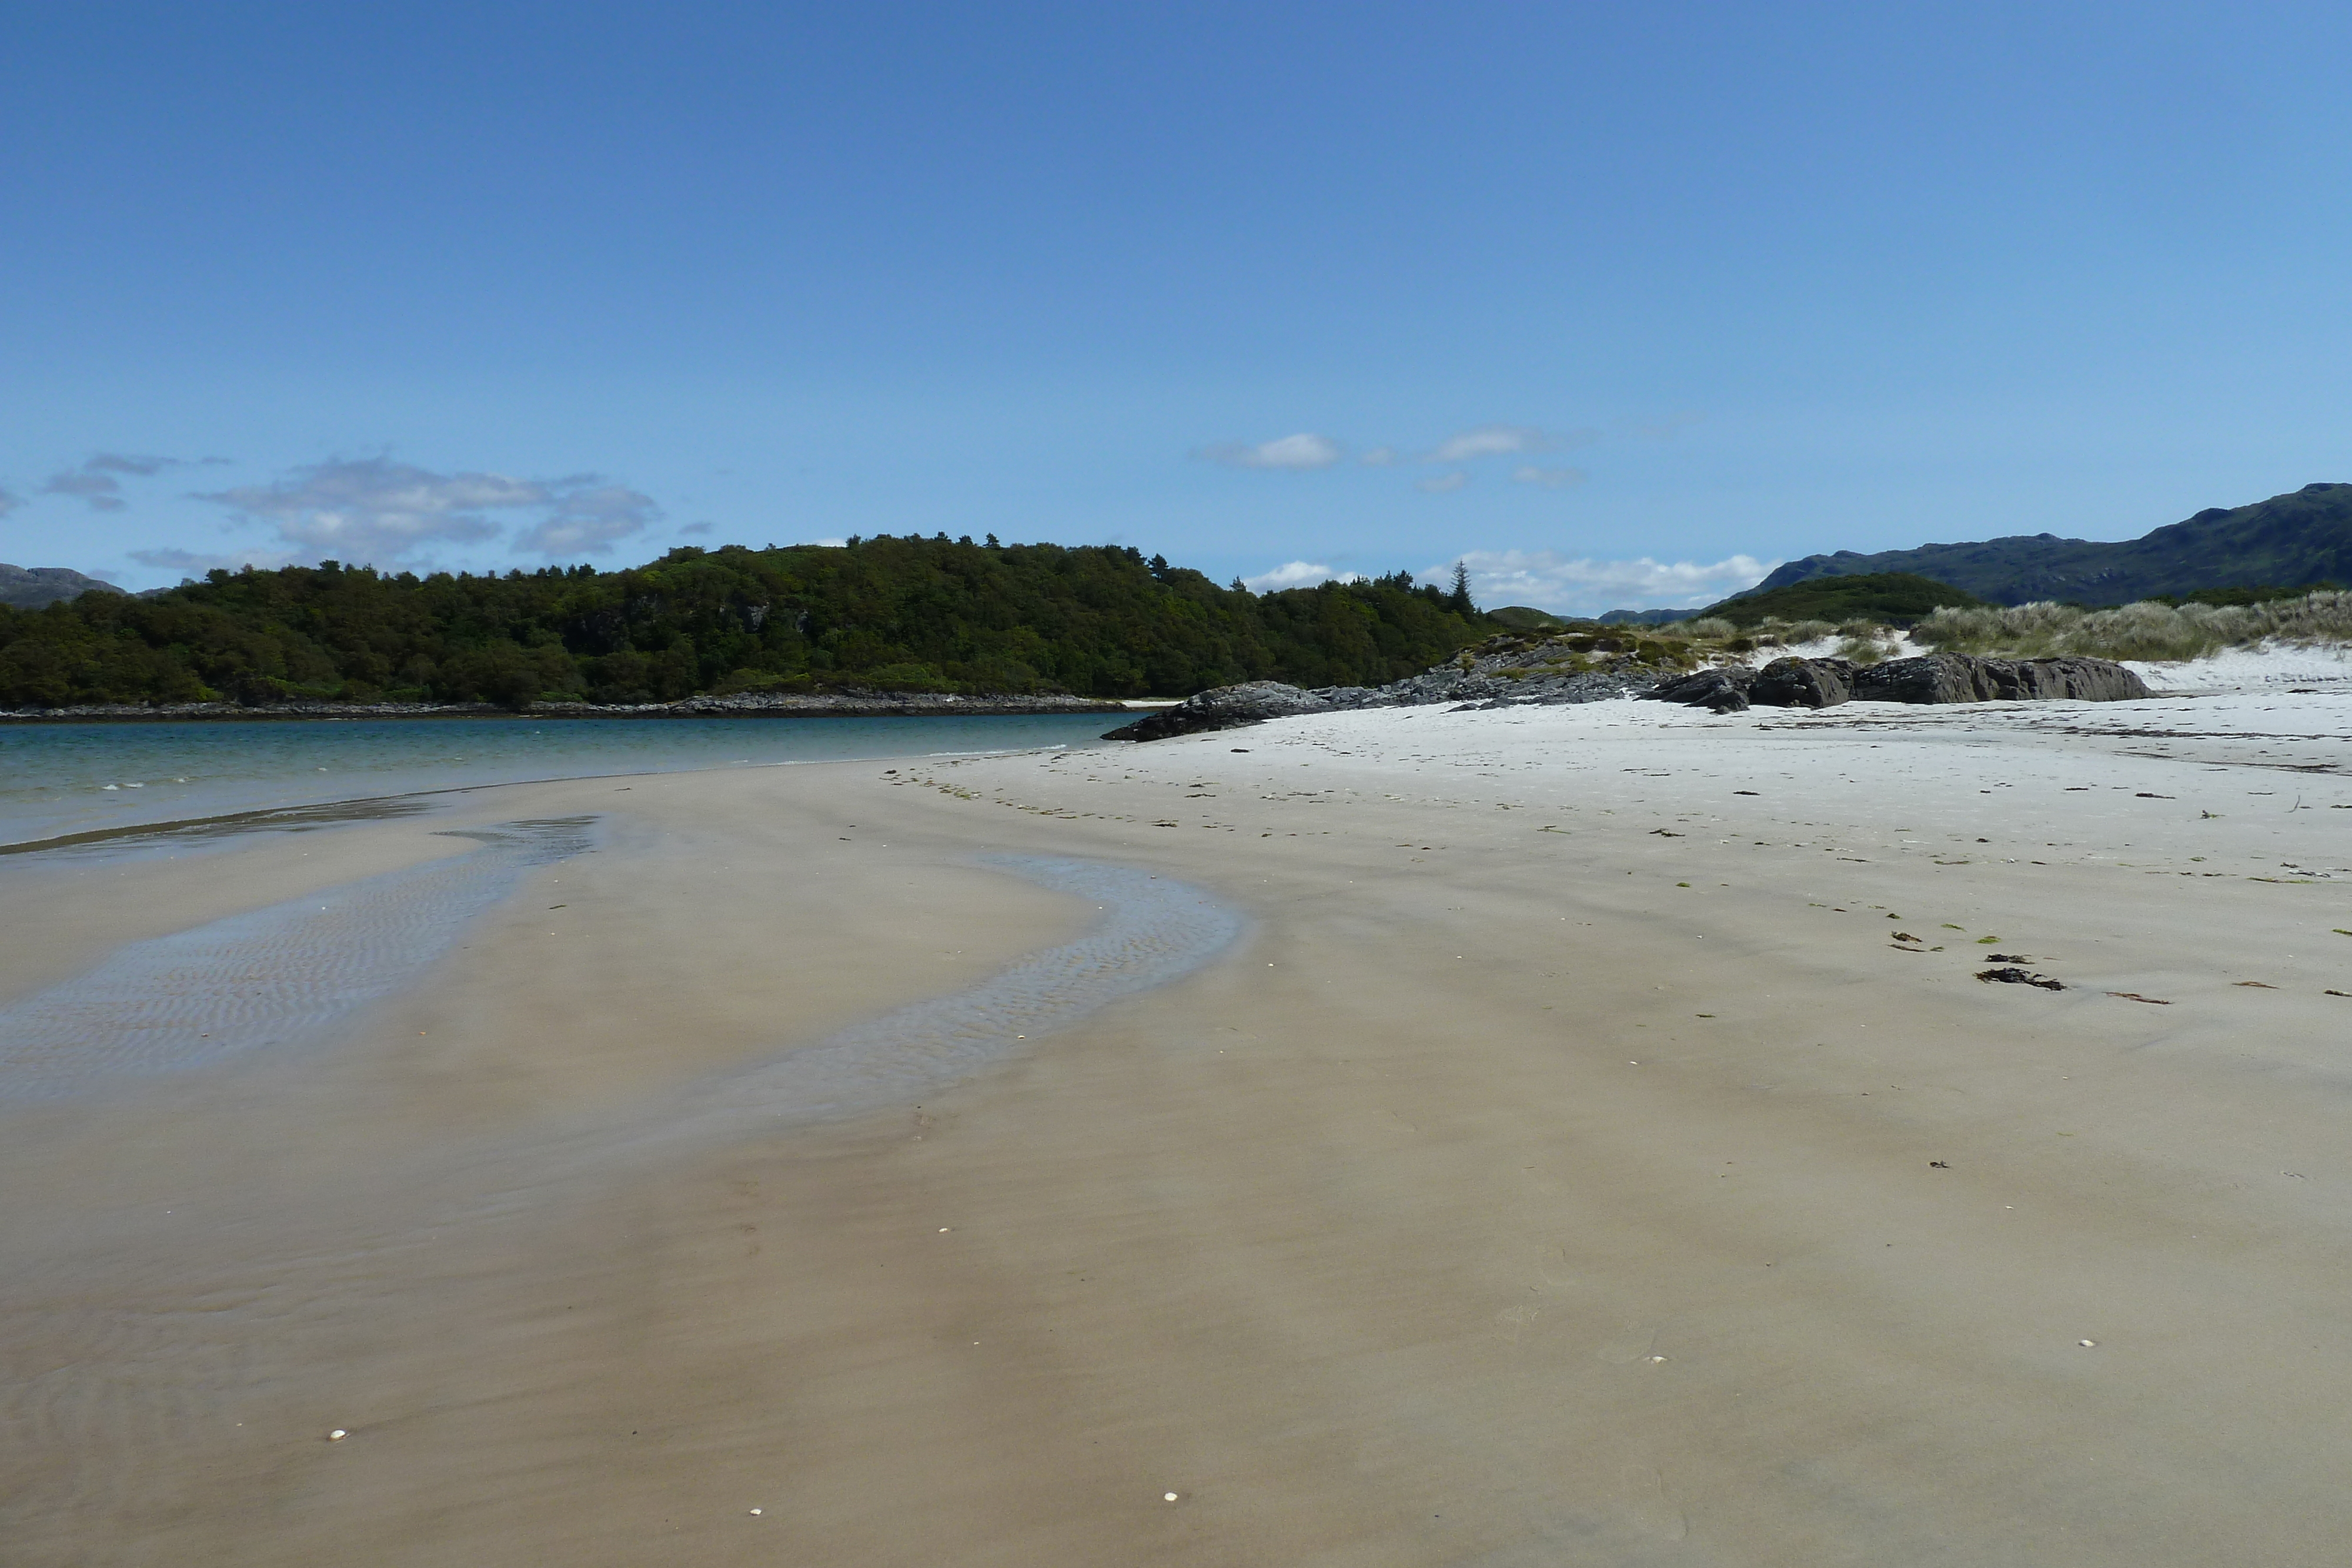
1297, 574
378, 512
1303, 450
1550, 581
698, 528
1443, 483
1548, 478
1379, 457
1503, 441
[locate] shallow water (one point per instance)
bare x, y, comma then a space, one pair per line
57, 780
1151, 930
282, 976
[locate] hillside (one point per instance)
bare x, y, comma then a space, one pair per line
2302, 537
1893, 598
902, 614
30, 587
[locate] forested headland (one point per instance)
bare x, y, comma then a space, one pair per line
882, 614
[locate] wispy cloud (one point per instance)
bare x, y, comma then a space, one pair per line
1297, 574
1548, 478
1442, 483
98, 481
1303, 450
588, 520
380, 512
1505, 440
698, 528
1379, 457
1550, 581
9, 502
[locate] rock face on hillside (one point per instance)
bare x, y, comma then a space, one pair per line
2304, 536
30, 587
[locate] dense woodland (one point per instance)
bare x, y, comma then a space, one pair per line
905, 614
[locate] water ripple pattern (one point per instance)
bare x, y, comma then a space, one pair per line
278, 975
1153, 930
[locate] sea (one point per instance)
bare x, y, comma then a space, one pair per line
62, 781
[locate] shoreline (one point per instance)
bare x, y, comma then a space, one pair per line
1601, 1145
844, 705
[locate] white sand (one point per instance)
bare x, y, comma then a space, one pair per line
1572, 1167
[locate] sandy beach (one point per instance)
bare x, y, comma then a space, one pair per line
1596, 1148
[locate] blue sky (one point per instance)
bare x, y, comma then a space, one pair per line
1621, 303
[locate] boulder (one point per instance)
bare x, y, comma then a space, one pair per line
1722, 690
1803, 683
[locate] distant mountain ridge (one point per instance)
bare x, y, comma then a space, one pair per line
2302, 537
30, 587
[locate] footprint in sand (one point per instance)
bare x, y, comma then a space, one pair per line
1642, 1492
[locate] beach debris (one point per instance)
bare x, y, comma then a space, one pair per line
2088, 1343
2136, 997
1663, 833
2012, 976
1938, 1164
2336, 993
336, 1436
2150, 795
755, 1513
2257, 985
2009, 958
1905, 936
1168, 1497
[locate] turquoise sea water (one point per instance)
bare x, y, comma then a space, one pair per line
62, 778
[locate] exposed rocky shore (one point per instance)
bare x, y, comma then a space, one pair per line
1580, 668
829, 704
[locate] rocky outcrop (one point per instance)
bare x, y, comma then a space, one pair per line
1964, 678
1804, 683
1582, 668
1722, 690
1226, 708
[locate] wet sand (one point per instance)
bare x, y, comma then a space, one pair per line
1569, 1166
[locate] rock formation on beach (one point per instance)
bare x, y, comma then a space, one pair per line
1581, 668
1929, 678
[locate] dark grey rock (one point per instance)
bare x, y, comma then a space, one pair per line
1722, 690
1803, 683
1228, 707
1964, 678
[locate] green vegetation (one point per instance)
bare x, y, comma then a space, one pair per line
2302, 537
906, 614
2148, 630
1894, 598
1522, 618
